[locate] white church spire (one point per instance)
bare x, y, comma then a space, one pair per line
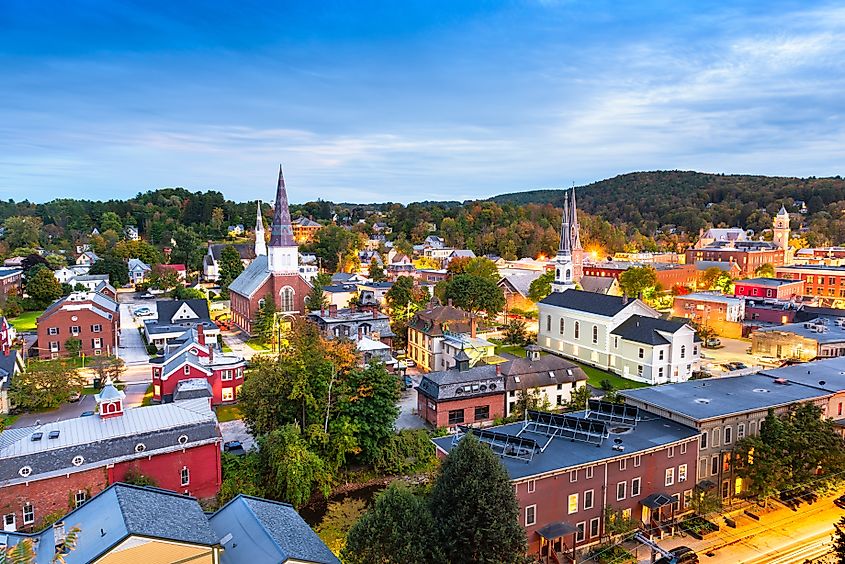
260, 243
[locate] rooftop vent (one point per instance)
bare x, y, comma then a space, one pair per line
702, 401
36, 436
761, 390
53, 435
781, 381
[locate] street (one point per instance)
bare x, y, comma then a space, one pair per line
134, 396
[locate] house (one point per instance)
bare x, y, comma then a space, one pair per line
382, 227
608, 285
92, 318
13, 262
211, 260
174, 317
427, 330
65, 274
180, 270
820, 337
348, 278
461, 395
304, 230
10, 281
551, 378
613, 333
274, 274
131, 233
11, 364
47, 466
193, 356
722, 314
354, 324
430, 275
138, 270
773, 288
90, 282
373, 293
469, 344
372, 349
567, 468
434, 242
516, 286
236, 230
340, 296
87, 258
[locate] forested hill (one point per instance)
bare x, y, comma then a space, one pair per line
649, 200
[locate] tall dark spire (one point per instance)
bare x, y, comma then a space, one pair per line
565, 247
573, 224
281, 232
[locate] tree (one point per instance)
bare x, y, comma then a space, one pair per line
635, 281
515, 333
705, 501
403, 299
382, 534
42, 287
230, 266
578, 398
114, 267
24, 552
532, 399
474, 294
458, 265
766, 270
541, 286
139, 249
73, 346
336, 247
292, 469
316, 298
475, 509
217, 219
265, 319
164, 278
110, 221
369, 399
187, 246
31, 261
839, 540
376, 271
482, 267
708, 278
45, 385
108, 367
241, 475
22, 231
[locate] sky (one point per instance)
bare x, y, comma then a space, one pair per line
413, 100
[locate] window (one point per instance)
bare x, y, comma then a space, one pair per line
670, 477
621, 488
740, 430
639, 370
626, 513
704, 440
623, 464
660, 372
635, 487
641, 353
595, 334
683, 351
9, 522
671, 452
560, 400
660, 354
53, 331
588, 499
581, 530
616, 342
549, 324
530, 515
572, 503
97, 328
728, 435
74, 330
562, 325
594, 527
184, 476
54, 346
683, 448
98, 343
687, 498
573, 475
28, 514
187, 369
637, 461
482, 412
227, 394
577, 329
588, 472
714, 465
456, 416
682, 473
715, 437
532, 486
80, 497
286, 300
676, 504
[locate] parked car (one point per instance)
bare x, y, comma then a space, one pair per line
234, 447
740, 365
86, 414
74, 396
680, 555
713, 343
147, 296
839, 502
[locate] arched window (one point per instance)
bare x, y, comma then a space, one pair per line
549, 323
683, 351
577, 329
562, 324
261, 302
595, 333
286, 300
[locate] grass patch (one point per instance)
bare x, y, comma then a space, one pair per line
515, 350
25, 321
257, 345
228, 413
596, 375
6, 420
148, 396
226, 348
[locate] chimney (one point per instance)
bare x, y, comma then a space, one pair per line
333, 310
200, 334
375, 313
498, 370
449, 301
360, 332
625, 298
322, 310
211, 352
473, 326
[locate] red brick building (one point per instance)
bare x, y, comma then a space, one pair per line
819, 280
462, 395
774, 288
91, 317
192, 357
567, 468
668, 275
275, 274
10, 281
748, 257
59, 465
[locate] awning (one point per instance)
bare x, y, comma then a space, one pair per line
554, 531
658, 500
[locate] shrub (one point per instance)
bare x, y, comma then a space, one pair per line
606, 385
405, 452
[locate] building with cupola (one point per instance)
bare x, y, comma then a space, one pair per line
276, 274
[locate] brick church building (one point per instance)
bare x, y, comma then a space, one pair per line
274, 272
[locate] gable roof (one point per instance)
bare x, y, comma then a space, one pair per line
646, 330
252, 278
589, 302
245, 250
137, 264
597, 284
548, 370
168, 308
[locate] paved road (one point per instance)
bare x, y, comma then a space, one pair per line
134, 397
237, 342
132, 349
408, 419
236, 431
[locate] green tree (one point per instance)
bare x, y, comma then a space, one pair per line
403, 299
578, 398
114, 267
241, 475
475, 509
187, 246
376, 271
635, 281
42, 286
541, 286
336, 247
482, 267
515, 333
45, 385
532, 399
766, 270
474, 294
265, 319
705, 501
22, 231
292, 469
217, 219
110, 221
142, 250
73, 346
230, 266
316, 298
383, 535
164, 278
108, 367
708, 278
369, 399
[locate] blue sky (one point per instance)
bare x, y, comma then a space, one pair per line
407, 101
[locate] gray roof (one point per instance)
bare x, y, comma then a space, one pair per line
597, 284
264, 531
252, 278
721, 265
720, 397
521, 282
650, 432
245, 250
548, 370
10, 364
91, 278
714, 297
340, 288
579, 300
769, 282
828, 374
444, 385
646, 330
167, 309
137, 264
192, 388
832, 332
101, 441
155, 328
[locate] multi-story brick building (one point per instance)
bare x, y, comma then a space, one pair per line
771, 288
90, 317
824, 282
668, 275
566, 469
10, 281
723, 314
56, 466
304, 230
429, 327
274, 273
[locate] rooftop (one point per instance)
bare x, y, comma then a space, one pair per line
828, 374
767, 282
714, 297
720, 397
821, 329
579, 300
816, 267
651, 431
453, 383
647, 330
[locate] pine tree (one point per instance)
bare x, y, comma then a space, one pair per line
475, 508
377, 271
265, 319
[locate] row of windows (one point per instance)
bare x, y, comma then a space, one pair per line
725, 434
456, 416
581, 532
576, 328
75, 329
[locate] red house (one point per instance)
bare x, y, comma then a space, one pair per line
770, 288
274, 273
91, 317
179, 269
56, 466
192, 357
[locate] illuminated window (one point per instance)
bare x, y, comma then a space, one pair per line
572, 503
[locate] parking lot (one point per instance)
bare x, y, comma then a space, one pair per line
730, 351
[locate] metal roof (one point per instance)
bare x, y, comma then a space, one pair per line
579, 300
252, 278
646, 330
446, 384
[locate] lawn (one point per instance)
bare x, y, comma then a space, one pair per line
257, 345
596, 375
25, 321
226, 348
515, 350
148, 396
228, 413
6, 420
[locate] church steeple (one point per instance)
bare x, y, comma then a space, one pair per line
260, 243
563, 260
283, 253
